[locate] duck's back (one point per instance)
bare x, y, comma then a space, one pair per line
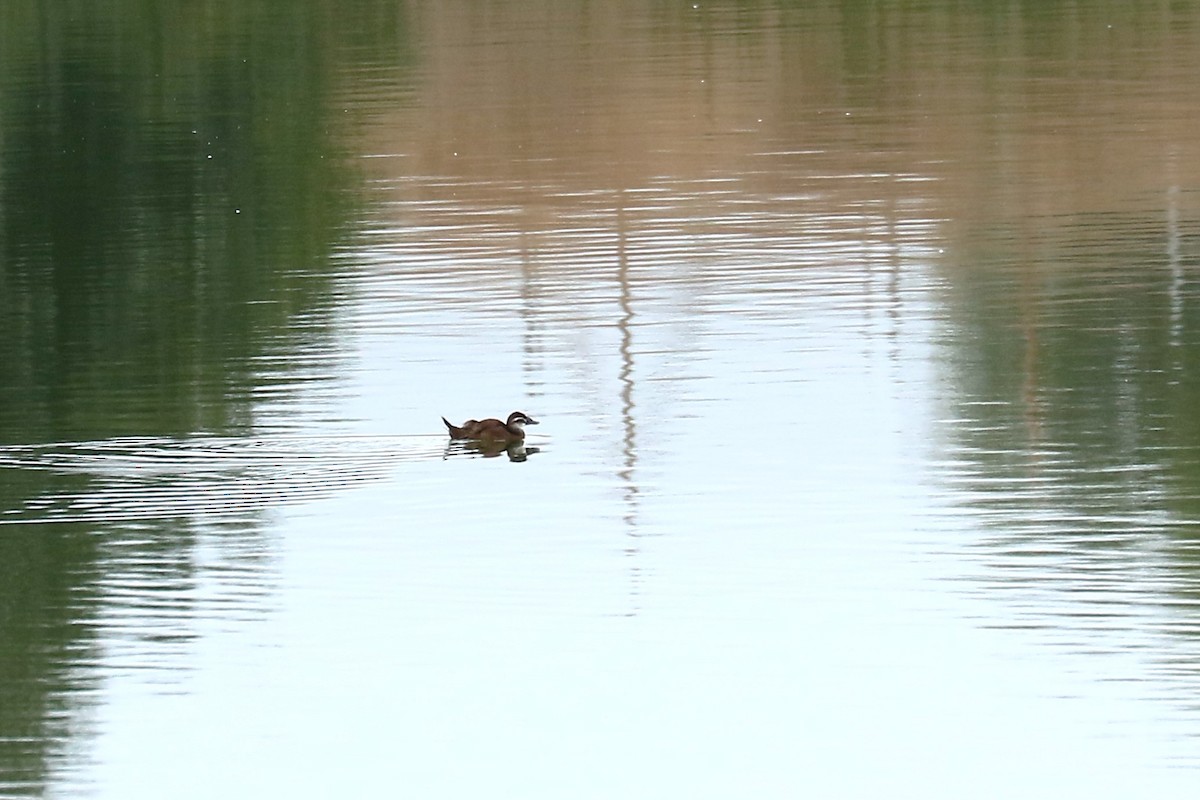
494, 429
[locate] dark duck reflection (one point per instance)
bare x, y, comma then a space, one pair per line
491, 437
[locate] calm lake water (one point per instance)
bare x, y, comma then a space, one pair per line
864, 337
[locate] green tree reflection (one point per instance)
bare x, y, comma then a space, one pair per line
171, 193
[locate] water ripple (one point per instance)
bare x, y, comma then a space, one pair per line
141, 478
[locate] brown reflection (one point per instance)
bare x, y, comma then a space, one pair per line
1013, 110
973, 132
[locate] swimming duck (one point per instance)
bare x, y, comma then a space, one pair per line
492, 430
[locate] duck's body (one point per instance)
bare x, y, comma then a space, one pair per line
492, 430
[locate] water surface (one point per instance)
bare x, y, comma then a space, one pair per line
863, 340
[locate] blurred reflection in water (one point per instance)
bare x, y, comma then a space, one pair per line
169, 201
861, 335
1069, 436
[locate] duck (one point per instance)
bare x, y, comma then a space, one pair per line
492, 430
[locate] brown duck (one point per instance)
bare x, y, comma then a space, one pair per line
492, 430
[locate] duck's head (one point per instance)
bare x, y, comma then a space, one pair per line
519, 419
